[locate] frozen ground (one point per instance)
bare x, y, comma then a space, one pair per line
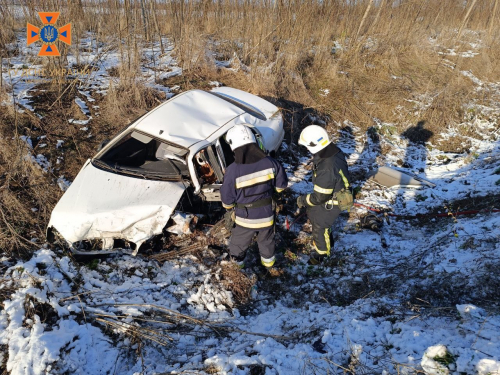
94, 69
389, 303
384, 307
421, 296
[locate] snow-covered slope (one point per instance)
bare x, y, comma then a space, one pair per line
389, 302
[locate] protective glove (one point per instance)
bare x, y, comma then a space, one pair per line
301, 201
277, 197
229, 219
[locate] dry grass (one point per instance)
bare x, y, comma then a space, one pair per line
22, 187
124, 103
234, 280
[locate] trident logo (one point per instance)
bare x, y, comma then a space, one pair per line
49, 34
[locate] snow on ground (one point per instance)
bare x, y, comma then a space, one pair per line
93, 66
409, 298
418, 296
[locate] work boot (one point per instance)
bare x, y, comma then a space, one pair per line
315, 258
240, 260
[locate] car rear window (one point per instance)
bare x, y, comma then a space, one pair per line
242, 105
142, 154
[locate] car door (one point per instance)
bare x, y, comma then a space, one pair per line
219, 157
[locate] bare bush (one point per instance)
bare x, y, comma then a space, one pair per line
234, 280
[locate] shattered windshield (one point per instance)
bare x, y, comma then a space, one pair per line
140, 154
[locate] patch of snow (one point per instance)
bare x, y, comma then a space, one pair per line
80, 122
468, 73
430, 365
63, 183
27, 140
42, 161
324, 92
82, 105
88, 96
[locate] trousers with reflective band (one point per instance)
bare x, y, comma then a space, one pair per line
322, 239
242, 237
267, 262
247, 184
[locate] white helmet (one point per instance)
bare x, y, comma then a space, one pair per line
315, 138
239, 135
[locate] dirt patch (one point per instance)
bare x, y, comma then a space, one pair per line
5, 293
42, 310
4, 354
451, 208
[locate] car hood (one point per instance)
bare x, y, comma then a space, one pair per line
104, 205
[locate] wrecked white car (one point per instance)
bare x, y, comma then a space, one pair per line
129, 190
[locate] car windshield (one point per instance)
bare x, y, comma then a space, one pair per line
139, 154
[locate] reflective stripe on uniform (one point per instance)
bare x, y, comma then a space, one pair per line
327, 239
308, 200
254, 178
279, 190
255, 223
267, 262
228, 206
346, 183
321, 252
332, 202
319, 189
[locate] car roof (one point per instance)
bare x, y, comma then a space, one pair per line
252, 102
188, 118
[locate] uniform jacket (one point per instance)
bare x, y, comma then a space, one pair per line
330, 174
254, 179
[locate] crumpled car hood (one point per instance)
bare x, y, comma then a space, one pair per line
105, 205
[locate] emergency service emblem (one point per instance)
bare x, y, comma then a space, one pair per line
49, 34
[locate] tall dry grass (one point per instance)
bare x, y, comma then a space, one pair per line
376, 58
26, 198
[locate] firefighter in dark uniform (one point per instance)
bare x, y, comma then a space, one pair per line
330, 175
247, 191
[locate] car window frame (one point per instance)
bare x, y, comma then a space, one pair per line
98, 162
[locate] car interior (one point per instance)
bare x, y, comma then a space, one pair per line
137, 153
140, 154
211, 163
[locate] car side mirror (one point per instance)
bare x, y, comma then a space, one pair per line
102, 144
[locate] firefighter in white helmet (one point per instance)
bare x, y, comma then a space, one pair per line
331, 181
246, 192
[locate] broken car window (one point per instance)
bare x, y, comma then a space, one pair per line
140, 154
